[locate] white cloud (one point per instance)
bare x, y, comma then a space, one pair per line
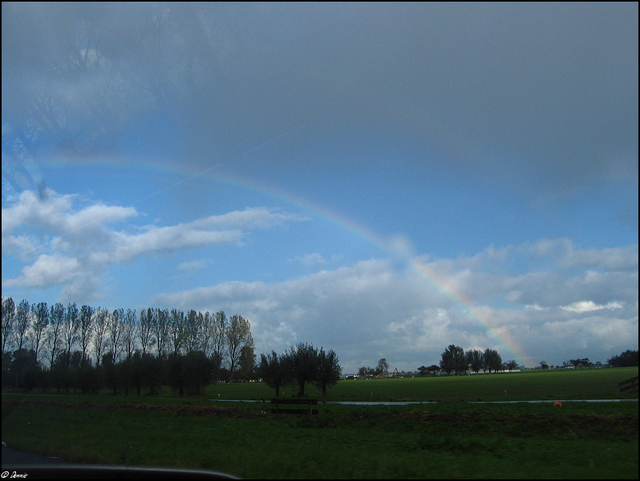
311, 260
56, 213
193, 265
47, 270
127, 247
80, 244
372, 309
536, 307
586, 306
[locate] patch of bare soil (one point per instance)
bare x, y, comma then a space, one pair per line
521, 425
177, 409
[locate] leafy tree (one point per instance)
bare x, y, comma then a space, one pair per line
626, 359
151, 372
189, 373
304, 365
383, 366
109, 369
329, 370
511, 365
433, 369
90, 378
492, 360
137, 369
274, 370
580, 363
247, 362
124, 372
176, 379
475, 360
196, 371
454, 360
23, 369
544, 365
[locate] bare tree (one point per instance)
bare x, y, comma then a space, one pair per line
86, 329
70, 328
192, 340
54, 333
8, 320
129, 327
145, 330
218, 338
161, 326
177, 330
101, 324
115, 333
39, 327
205, 332
23, 320
238, 335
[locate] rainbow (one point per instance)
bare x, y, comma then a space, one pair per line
499, 333
422, 270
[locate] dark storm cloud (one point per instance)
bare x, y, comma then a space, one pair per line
543, 96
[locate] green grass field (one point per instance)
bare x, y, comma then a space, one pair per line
450, 439
532, 385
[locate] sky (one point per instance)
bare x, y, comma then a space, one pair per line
383, 179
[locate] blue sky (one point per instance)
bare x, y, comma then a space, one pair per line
382, 180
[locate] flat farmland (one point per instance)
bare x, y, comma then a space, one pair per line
452, 438
532, 385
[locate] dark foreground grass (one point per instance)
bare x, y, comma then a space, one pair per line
448, 440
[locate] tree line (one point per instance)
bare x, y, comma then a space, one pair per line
298, 366
382, 369
626, 359
455, 360
87, 348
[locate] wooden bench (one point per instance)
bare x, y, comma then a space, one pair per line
307, 402
630, 385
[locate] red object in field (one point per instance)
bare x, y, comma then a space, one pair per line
557, 404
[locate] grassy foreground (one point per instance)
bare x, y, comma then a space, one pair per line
450, 439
